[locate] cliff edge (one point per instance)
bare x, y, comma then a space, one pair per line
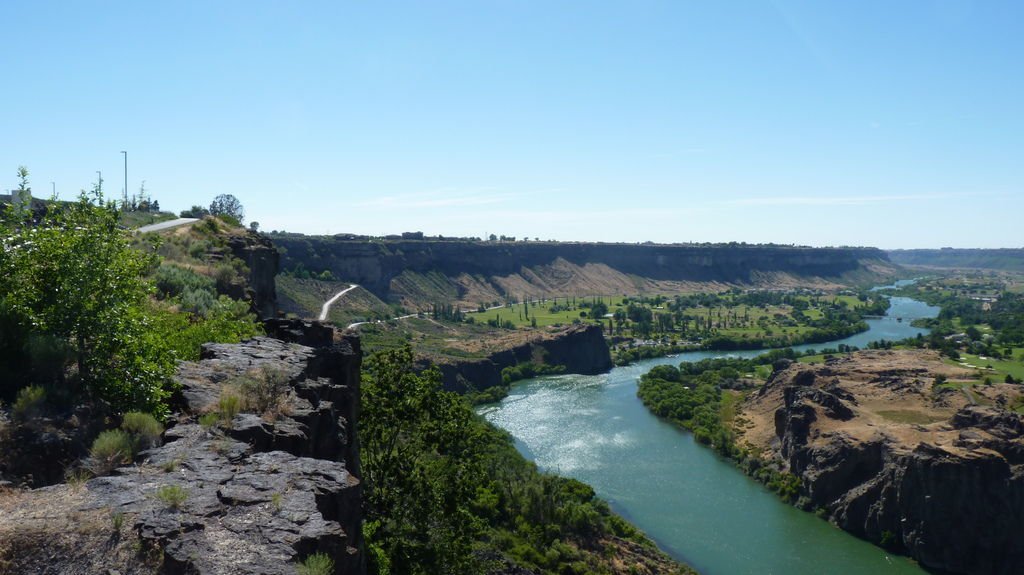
255, 493
930, 470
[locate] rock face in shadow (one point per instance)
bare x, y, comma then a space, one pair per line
578, 349
948, 493
252, 495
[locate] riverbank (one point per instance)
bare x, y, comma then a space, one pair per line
693, 503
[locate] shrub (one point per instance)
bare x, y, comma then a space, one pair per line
172, 495
198, 301
264, 389
172, 280
144, 429
228, 406
198, 248
225, 277
111, 449
316, 564
28, 403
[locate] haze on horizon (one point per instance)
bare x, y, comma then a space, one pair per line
895, 125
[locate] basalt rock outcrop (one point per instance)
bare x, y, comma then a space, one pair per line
262, 259
255, 494
891, 460
577, 349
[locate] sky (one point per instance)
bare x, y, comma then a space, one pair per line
889, 124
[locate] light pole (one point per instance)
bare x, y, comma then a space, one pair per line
125, 179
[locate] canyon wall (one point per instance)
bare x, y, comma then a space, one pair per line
578, 349
1009, 259
376, 264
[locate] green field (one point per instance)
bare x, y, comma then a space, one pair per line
1000, 367
541, 312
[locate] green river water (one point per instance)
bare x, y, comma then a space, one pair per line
698, 507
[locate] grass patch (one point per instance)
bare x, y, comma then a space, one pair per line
173, 496
910, 416
28, 403
111, 449
316, 564
144, 429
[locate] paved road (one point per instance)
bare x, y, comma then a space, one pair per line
327, 306
166, 225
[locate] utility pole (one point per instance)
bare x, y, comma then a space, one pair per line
125, 205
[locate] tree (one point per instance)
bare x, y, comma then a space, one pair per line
254, 226
74, 282
195, 212
422, 463
227, 205
23, 179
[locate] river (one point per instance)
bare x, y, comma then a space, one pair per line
698, 507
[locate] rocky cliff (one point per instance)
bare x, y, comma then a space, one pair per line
256, 494
920, 470
481, 270
262, 259
577, 349
1010, 259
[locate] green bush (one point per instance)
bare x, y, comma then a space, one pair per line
198, 301
75, 277
172, 495
29, 403
228, 321
316, 564
111, 449
144, 429
172, 280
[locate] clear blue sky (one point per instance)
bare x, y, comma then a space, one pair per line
895, 124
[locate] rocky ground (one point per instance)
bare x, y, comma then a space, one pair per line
886, 454
252, 495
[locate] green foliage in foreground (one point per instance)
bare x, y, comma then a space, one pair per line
447, 492
74, 281
76, 312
